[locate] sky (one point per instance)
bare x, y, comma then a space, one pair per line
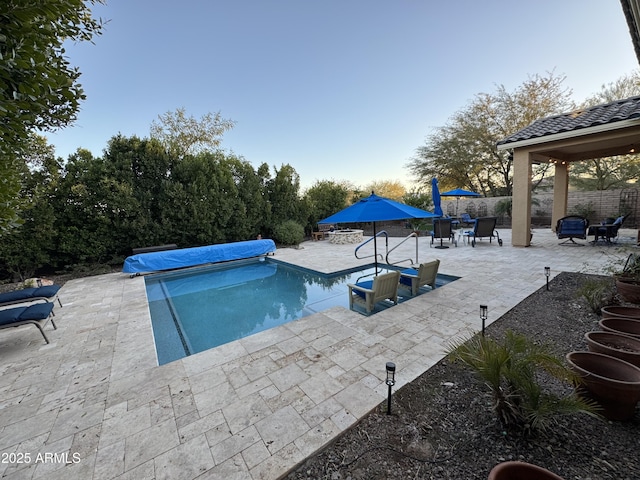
338, 89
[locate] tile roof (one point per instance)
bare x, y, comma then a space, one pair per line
608, 113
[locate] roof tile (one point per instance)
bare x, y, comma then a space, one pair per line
617, 111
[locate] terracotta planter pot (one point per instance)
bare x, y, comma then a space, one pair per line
521, 471
625, 326
616, 311
615, 345
613, 383
630, 292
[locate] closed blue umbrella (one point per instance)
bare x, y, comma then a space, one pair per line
435, 195
376, 209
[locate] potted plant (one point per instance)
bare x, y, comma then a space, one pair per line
521, 471
628, 280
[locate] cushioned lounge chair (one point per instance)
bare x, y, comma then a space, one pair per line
443, 228
607, 230
382, 287
570, 227
466, 219
37, 314
48, 293
485, 227
425, 275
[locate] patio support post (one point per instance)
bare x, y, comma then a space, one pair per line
521, 205
560, 193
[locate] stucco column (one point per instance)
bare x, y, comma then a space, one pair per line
521, 205
560, 193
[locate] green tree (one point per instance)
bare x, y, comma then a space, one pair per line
324, 198
283, 197
387, 188
463, 153
418, 198
612, 172
39, 89
182, 135
28, 247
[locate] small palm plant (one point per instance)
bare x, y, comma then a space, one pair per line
511, 370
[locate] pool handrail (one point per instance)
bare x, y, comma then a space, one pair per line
412, 234
381, 232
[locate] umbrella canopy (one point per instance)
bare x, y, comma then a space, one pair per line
459, 192
435, 194
376, 209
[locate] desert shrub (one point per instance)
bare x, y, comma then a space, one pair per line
511, 369
288, 233
598, 293
586, 210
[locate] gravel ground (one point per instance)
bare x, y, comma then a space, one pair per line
442, 426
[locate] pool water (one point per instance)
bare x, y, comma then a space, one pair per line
198, 309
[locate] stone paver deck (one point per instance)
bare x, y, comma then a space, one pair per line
93, 404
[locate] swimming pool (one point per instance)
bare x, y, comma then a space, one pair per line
198, 309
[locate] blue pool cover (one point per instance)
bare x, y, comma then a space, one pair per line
190, 257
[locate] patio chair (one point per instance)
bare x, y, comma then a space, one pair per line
48, 293
466, 219
570, 227
382, 287
442, 228
37, 314
425, 275
485, 227
607, 230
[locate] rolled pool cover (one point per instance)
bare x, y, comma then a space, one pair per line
190, 257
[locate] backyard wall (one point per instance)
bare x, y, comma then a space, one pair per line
596, 206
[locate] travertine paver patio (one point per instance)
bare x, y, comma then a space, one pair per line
94, 405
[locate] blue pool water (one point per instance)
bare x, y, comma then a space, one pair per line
198, 309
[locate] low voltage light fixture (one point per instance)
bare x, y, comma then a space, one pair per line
391, 381
483, 316
547, 273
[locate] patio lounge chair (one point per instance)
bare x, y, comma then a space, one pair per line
484, 227
442, 228
466, 219
607, 230
570, 227
382, 287
48, 293
425, 275
37, 314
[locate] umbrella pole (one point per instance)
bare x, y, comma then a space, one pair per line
375, 248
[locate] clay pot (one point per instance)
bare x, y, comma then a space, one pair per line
629, 291
613, 383
615, 345
521, 471
625, 326
616, 311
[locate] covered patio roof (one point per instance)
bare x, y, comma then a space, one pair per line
596, 132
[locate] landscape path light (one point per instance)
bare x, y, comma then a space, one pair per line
391, 381
483, 316
547, 272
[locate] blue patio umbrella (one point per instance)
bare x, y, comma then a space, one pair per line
376, 209
459, 192
435, 195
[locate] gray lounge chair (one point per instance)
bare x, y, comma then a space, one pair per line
485, 227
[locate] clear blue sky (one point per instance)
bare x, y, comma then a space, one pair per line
339, 89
